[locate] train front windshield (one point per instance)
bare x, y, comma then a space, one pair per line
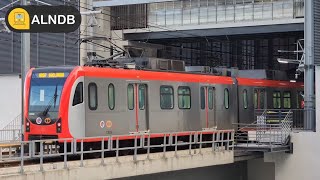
45, 93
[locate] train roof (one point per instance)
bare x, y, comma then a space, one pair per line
145, 75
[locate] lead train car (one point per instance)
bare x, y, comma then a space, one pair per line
75, 102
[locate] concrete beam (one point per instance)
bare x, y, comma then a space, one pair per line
208, 30
109, 3
123, 167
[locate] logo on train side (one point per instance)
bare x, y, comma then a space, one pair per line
102, 124
35, 19
38, 120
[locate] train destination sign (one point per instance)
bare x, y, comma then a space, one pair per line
37, 19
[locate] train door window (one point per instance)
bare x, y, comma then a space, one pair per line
287, 99
300, 99
130, 97
166, 97
226, 98
276, 100
210, 98
258, 98
93, 99
245, 99
261, 98
78, 94
202, 98
255, 99
142, 96
111, 96
184, 97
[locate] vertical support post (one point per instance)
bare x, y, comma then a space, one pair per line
21, 156
41, 156
25, 66
65, 154
309, 116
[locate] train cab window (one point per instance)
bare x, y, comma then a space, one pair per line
130, 96
210, 98
287, 99
202, 98
245, 99
166, 97
93, 99
226, 98
276, 100
184, 97
142, 96
111, 96
78, 94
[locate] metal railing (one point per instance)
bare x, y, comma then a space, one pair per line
276, 115
217, 140
271, 129
12, 130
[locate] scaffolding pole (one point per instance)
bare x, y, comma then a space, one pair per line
309, 98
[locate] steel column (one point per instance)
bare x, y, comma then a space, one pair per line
309, 117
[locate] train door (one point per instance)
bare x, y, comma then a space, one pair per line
140, 106
259, 98
207, 106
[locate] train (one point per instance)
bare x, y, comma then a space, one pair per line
84, 101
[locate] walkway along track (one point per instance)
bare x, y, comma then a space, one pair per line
50, 152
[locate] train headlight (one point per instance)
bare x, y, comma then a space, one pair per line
27, 125
58, 126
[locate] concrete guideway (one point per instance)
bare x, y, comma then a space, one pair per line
125, 166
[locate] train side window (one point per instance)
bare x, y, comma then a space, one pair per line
130, 96
142, 96
287, 99
202, 98
93, 99
276, 100
210, 98
245, 99
184, 97
166, 97
78, 94
111, 96
226, 98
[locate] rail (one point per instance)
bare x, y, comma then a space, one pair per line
217, 140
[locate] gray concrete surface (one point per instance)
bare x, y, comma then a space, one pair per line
124, 167
235, 171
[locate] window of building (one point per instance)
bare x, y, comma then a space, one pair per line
184, 97
130, 97
166, 97
210, 97
276, 99
78, 94
245, 99
93, 99
226, 98
111, 96
202, 98
287, 99
142, 96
